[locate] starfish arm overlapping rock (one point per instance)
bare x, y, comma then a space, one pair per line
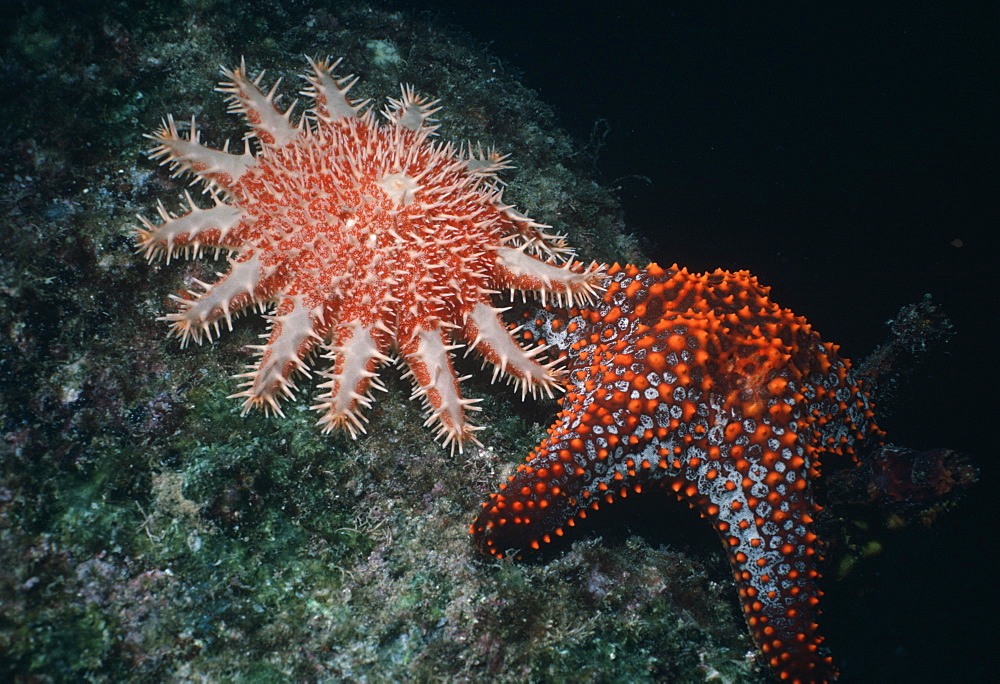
701, 386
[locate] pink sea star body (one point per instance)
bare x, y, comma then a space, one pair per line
364, 239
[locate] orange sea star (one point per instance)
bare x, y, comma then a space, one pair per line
365, 239
697, 385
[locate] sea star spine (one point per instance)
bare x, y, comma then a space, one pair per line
365, 241
701, 386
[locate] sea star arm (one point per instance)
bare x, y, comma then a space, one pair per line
357, 351
774, 561
486, 334
189, 232
567, 284
215, 168
269, 124
771, 547
198, 313
329, 91
428, 356
484, 163
296, 329
412, 112
534, 239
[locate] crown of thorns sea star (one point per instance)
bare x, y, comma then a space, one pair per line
361, 239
